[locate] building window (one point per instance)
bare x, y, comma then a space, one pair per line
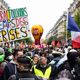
78, 5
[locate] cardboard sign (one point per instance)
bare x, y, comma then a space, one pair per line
13, 24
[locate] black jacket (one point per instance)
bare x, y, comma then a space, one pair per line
10, 70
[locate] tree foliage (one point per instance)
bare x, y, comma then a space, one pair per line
51, 39
77, 18
28, 40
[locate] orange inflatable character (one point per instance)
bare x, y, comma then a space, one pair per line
37, 31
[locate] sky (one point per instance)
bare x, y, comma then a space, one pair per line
43, 12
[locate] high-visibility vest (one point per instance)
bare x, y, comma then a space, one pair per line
40, 73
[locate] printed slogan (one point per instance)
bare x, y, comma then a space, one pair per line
13, 24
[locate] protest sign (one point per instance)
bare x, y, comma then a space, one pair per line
13, 24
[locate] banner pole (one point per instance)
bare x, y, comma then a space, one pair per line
66, 27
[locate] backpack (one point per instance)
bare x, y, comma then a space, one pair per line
13, 77
77, 67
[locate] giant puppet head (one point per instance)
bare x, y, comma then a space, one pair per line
37, 31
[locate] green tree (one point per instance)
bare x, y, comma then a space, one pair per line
77, 18
51, 39
64, 33
27, 40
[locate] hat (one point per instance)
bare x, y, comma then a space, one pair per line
36, 55
2, 54
57, 52
24, 60
73, 50
2, 51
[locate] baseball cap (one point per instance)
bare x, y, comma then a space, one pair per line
2, 54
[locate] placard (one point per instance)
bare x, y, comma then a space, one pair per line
13, 24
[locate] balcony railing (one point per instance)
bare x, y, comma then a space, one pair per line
78, 5
4, 3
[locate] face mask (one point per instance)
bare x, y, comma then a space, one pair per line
10, 57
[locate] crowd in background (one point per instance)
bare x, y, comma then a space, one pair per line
47, 63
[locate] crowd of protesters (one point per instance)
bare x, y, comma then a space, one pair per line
47, 63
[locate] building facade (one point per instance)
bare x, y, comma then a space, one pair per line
59, 29
3, 5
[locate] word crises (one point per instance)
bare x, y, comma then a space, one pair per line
13, 34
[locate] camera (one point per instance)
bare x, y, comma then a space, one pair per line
24, 63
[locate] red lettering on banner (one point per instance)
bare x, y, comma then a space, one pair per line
5, 15
17, 22
20, 22
1, 17
25, 20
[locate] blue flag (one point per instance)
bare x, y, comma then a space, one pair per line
72, 26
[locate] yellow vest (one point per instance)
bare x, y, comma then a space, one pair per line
40, 73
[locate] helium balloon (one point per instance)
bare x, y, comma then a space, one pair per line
37, 31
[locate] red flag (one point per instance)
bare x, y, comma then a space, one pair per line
58, 44
53, 43
63, 43
75, 36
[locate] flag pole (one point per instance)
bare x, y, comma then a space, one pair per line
66, 26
